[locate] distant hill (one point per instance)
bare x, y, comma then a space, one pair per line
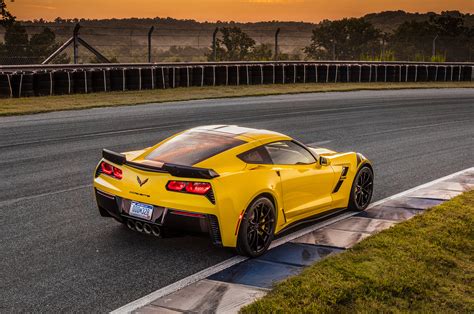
386, 21
389, 20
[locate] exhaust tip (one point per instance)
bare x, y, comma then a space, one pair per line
139, 226
147, 228
130, 224
156, 231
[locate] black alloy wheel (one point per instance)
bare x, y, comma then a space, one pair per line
257, 228
362, 189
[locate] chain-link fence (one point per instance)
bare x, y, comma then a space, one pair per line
32, 43
121, 41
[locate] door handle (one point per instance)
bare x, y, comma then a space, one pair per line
278, 172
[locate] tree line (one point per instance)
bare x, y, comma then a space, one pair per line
441, 37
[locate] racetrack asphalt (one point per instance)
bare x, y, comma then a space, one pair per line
58, 254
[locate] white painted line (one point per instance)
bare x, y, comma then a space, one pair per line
27, 198
412, 128
304, 231
422, 186
130, 307
82, 136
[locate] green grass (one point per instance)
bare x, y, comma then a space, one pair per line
16, 106
423, 265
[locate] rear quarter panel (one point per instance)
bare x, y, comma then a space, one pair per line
235, 192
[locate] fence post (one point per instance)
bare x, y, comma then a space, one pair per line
304, 73
150, 32
316, 73
333, 49
276, 43
75, 36
214, 43
433, 52
238, 74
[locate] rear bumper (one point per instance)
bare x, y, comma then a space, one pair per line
166, 218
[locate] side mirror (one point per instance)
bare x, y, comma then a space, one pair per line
324, 161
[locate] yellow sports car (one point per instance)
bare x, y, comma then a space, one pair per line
242, 186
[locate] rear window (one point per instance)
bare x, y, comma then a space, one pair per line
191, 148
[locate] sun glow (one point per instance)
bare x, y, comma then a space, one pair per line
226, 10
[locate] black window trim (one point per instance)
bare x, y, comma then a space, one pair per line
240, 156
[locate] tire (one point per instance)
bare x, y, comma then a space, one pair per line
362, 189
256, 233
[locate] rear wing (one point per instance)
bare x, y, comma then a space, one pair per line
173, 169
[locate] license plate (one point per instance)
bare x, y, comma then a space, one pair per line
140, 210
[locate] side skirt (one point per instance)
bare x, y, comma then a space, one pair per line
317, 217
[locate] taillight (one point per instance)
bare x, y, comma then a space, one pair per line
110, 170
200, 188
106, 168
117, 173
176, 186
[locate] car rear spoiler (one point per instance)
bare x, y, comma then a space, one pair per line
173, 169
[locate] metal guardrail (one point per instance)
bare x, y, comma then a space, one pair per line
41, 80
46, 67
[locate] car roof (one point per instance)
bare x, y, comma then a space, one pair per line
248, 134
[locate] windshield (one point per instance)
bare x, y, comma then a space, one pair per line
193, 147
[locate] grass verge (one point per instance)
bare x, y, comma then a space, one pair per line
17, 106
424, 265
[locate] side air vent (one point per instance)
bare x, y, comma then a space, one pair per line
338, 186
344, 171
210, 196
214, 230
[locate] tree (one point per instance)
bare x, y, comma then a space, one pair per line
7, 19
261, 52
345, 39
446, 33
413, 40
454, 38
44, 44
15, 48
449, 23
235, 45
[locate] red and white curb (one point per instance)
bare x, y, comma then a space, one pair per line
238, 281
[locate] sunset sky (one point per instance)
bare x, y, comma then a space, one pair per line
225, 10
